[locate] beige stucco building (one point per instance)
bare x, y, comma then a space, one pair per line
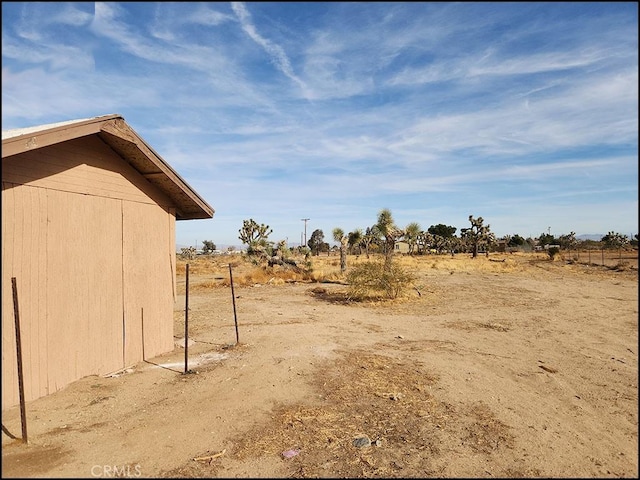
88, 233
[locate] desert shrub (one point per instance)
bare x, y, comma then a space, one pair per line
621, 266
553, 251
370, 280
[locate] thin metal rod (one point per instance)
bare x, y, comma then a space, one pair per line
23, 408
186, 324
233, 298
142, 320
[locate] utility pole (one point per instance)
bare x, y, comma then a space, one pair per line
305, 220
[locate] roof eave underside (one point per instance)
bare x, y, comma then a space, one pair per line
115, 132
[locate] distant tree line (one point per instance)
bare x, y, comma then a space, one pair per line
383, 236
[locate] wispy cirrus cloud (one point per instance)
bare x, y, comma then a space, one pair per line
343, 108
276, 53
35, 22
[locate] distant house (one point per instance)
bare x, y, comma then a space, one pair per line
88, 232
401, 246
501, 246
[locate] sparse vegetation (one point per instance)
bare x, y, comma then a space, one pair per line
411, 234
391, 233
478, 234
254, 235
326, 269
316, 243
375, 280
343, 240
188, 253
553, 251
305, 363
208, 247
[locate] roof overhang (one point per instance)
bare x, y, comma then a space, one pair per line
116, 133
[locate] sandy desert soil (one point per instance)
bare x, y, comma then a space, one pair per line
509, 366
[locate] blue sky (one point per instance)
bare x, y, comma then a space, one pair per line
525, 114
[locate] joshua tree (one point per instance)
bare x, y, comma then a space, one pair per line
411, 233
340, 237
424, 241
568, 242
355, 238
253, 235
370, 236
615, 240
478, 234
387, 227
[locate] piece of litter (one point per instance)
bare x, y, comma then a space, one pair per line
548, 369
118, 373
290, 453
362, 442
180, 342
208, 458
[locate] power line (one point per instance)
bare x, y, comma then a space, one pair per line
305, 220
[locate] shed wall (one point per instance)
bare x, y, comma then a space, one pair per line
91, 245
148, 309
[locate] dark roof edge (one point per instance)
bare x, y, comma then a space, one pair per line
189, 204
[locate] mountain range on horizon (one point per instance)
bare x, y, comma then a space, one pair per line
591, 236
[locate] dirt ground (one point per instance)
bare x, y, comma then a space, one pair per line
508, 366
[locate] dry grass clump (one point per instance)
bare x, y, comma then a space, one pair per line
372, 281
359, 394
275, 275
368, 283
621, 266
366, 280
326, 268
248, 275
247, 271
208, 265
486, 433
384, 398
464, 263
